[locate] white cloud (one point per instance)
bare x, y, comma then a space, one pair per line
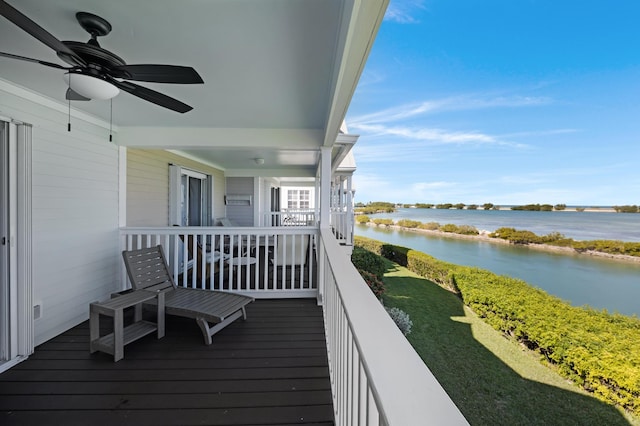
431, 136
456, 103
389, 121
393, 152
404, 11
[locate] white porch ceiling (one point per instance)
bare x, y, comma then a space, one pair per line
272, 69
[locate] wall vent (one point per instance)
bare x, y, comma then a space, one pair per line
238, 199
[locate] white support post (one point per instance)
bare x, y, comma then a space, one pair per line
325, 187
350, 217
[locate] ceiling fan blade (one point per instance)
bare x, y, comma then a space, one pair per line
151, 96
37, 61
39, 33
158, 73
75, 96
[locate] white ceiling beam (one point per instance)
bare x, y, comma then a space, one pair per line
297, 172
203, 137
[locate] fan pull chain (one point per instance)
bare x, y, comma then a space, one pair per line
111, 120
69, 111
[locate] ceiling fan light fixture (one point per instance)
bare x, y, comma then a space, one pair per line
90, 87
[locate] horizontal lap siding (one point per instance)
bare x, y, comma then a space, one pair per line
75, 213
148, 185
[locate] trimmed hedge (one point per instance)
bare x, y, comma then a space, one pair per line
597, 350
365, 260
375, 284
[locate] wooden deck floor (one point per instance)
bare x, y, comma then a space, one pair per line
270, 369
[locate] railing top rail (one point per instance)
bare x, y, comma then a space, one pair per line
218, 230
405, 389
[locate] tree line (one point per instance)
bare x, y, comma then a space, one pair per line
388, 207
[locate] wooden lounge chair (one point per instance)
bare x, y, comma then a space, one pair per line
148, 270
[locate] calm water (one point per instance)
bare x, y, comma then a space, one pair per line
576, 225
580, 280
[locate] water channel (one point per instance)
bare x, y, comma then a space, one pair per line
579, 279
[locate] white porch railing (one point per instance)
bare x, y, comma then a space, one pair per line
291, 218
342, 225
377, 378
275, 262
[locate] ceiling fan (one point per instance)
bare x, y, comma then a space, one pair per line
96, 73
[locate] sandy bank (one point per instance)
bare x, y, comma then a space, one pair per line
484, 237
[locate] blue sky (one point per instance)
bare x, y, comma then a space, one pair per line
501, 101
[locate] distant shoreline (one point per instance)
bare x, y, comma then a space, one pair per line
484, 237
508, 208
574, 209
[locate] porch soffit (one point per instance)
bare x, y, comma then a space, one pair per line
279, 74
266, 64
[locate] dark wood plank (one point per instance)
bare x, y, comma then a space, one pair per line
160, 387
270, 369
263, 416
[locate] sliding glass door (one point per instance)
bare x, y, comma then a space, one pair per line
193, 198
5, 323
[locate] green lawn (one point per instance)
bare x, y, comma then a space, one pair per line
492, 380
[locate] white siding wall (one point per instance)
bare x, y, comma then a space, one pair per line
75, 211
148, 185
241, 215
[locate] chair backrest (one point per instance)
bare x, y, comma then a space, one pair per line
224, 221
148, 270
199, 255
291, 250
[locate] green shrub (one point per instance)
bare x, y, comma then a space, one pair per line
385, 222
407, 223
597, 350
362, 218
401, 318
431, 226
449, 227
462, 229
366, 260
375, 284
515, 236
626, 209
467, 230
557, 239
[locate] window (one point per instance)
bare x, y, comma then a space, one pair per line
304, 199
292, 199
298, 199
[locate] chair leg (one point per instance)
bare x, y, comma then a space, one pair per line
204, 326
208, 331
